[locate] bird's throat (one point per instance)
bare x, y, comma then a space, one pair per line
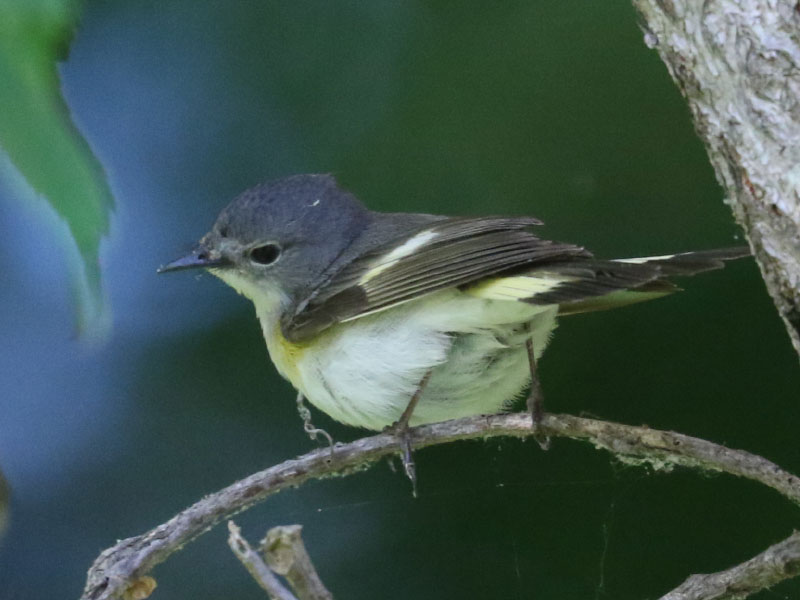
270, 303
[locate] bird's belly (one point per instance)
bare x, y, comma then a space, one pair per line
478, 377
365, 372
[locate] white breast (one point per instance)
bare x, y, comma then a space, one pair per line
364, 372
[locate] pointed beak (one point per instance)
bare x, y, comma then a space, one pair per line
199, 259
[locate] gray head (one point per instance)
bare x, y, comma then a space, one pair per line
277, 239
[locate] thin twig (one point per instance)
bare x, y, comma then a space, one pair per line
772, 566
286, 555
256, 565
136, 556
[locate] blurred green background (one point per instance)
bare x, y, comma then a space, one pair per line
555, 109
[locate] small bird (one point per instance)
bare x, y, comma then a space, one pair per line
382, 319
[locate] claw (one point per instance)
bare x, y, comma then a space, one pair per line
402, 433
536, 408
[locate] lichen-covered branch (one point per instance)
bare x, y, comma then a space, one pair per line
737, 63
134, 557
772, 566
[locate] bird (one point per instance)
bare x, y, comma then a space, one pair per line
391, 319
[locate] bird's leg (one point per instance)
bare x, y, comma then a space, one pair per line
400, 429
308, 426
535, 396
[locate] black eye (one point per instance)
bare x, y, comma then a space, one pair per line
266, 254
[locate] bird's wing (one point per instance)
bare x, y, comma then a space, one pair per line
447, 253
494, 258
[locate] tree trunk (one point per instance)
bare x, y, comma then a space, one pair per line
737, 63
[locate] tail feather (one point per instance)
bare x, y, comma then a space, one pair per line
588, 284
689, 263
613, 284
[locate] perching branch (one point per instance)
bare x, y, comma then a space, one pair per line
253, 562
737, 63
134, 557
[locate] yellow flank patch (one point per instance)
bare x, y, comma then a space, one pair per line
518, 287
286, 355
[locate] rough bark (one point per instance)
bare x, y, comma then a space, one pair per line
737, 63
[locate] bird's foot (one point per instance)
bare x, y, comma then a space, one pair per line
402, 432
536, 398
536, 408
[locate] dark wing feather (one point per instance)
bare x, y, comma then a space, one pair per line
448, 253
591, 277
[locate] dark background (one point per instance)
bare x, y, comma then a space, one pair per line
555, 109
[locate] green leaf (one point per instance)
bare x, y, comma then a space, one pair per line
37, 133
